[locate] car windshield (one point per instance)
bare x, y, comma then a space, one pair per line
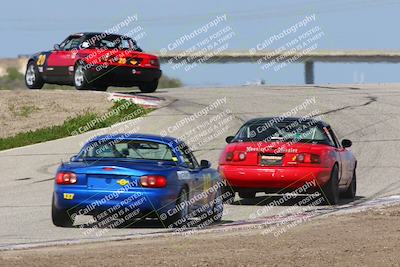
127, 149
111, 42
70, 43
282, 132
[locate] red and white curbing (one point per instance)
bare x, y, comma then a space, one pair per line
145, 101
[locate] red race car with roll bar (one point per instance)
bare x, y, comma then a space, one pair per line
94, 61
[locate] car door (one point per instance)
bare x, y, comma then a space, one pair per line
194, 170
61, 62
204, 182
345, 158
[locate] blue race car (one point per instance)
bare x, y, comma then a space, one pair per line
120, 178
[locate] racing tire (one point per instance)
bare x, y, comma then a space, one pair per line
229, 195
148, 87
33, 79
247, 195
218, 207
80, 81
350, 193
330, 191
60, 217
178, 219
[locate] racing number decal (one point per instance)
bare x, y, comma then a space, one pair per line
69, 196
41, 60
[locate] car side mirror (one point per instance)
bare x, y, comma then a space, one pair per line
73, 158
57, 47
205, 164
229, 139
346, 143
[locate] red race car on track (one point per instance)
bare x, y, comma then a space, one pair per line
275, 155
94, 61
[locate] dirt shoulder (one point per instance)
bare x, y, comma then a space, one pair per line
24, 110
369, 238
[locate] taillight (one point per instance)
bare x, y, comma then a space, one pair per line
66, 178
122, 60
235, 156
154, 181
306, 158
239, 156
154, 62
134, 61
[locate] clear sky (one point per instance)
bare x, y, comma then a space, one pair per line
30, 26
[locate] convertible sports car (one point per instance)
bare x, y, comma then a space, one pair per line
120, 178
275, 155
94, 61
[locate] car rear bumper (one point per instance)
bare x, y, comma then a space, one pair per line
121, 75
89, 202
268, 179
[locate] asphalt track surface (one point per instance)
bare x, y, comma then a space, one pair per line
369, 115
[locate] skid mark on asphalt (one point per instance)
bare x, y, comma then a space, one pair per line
335, 88
371, 100
23, 179
45, 169
44, 180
